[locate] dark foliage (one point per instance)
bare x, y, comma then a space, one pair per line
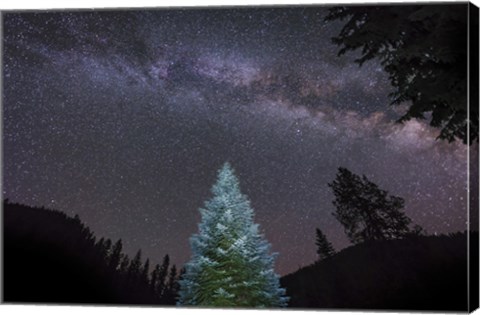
415, 273
324, 247
423, 48
52, 258
366, 211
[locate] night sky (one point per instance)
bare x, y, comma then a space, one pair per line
124, 118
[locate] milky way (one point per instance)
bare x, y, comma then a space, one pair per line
124, 118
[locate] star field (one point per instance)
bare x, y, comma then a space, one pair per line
123, 117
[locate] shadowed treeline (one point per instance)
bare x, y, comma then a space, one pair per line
52, 258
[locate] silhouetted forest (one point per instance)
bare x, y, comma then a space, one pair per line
414, 273
52, 258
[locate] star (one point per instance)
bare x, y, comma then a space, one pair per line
125, 116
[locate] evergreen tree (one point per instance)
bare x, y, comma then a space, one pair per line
154, 279
324, 247
124, 265
172, 278
134, 268
146, 270
171, 288
116, 256
107, 248
366, 211
100, 245
230, 263
162, 275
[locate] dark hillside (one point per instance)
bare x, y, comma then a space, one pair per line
417, 273
52, 258
46, 259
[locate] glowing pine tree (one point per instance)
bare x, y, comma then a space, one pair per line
230, 264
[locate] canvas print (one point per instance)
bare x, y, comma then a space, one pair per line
276, 157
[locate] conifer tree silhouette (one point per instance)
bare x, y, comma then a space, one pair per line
324, 247
366, 211
162, 275
116, 256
